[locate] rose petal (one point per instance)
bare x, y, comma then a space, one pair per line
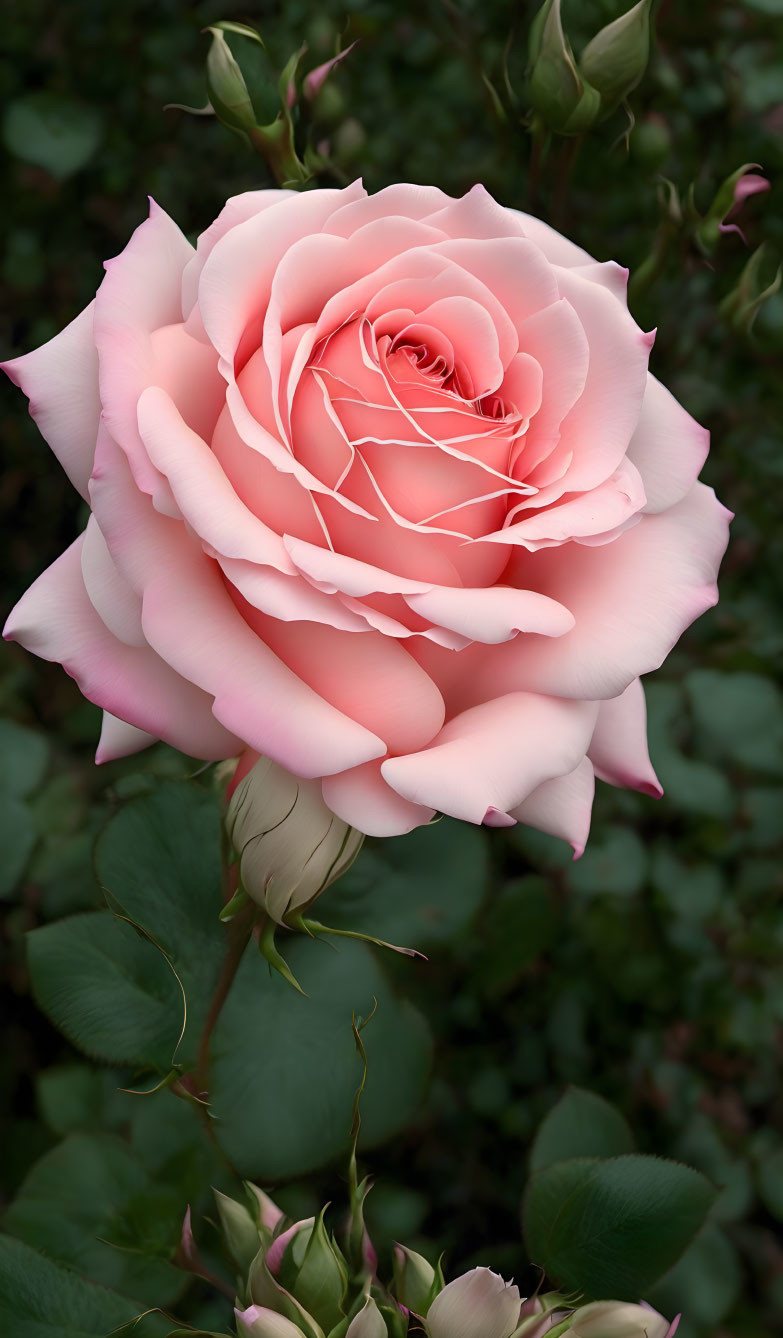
60, 379
618, 749
668, 447
562, 807
362, 797
495, 755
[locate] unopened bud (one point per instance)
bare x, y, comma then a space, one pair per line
228, 92
416, 1282
564, 100
291, 847
617, 57
321, 1282
619, 1319
742, 305
258, 1322
729, 198
478, 1302
368, 1323
240, 1231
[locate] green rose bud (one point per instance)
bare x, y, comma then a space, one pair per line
416, 1283
564, 100
228, 92
291, 847
616, 58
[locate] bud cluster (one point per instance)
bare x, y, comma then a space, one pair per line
570, 96
298, 1280
245, 91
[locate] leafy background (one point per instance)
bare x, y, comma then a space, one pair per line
649, 971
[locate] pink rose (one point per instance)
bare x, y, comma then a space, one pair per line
381, 488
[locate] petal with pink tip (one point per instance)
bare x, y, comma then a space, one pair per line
362, 798
55, 619
479, 1304
618, 749
562, 807
60, 379
495, 755
668, 447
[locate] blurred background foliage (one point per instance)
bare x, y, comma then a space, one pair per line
650, 971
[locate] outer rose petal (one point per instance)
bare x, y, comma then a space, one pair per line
557, 249
60, 379
668, 447
55, 619
363, 798
618, 749
495, 755
119, 739
632, 600
562, 807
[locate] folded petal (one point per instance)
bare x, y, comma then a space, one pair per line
493, 614
562, 807
55, 619
618, 749
119, 739
363, 798
668, 447
479, 1304
495, 755
60, 379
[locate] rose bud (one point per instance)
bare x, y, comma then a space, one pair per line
479, 1304
368, 1323
246, 1227
416, 1282
616, 58
729, 198
564, 101
620, 1319
291, 847
262, 1323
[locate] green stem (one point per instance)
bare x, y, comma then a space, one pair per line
238, 934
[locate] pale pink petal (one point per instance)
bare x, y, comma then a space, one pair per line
116, 602
188, 372
597, 430
495, 755
493, 614
140, 293
632, 600
477, 215
289, 598
119, 739
363, 798
668, 447
235, 283
331, 571
557, 249
55, 619
609, 273
199, 484
236, 210
183, 593
368, 676
562, 807
512, 268
400, 200
599, 511
60, 379
618, 749
555, 337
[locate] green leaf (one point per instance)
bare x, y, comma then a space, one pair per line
24, 756
52, 131
107, 988
414, 890
159, 861
581, 1124
77, 1097
89, 1204
706, 1282
39, 1299
612, 1228
285, 1068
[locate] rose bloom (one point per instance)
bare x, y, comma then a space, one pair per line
381, 489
